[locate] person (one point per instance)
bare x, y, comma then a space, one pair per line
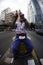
15, 18
21, 31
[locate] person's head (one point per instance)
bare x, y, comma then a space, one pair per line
21, 17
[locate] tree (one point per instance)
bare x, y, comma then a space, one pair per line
32, 26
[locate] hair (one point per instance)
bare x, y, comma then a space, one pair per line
15, 18
21, 17
26, 23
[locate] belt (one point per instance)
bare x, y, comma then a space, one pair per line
22, 34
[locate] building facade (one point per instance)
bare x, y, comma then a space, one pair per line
10, 17
31, 12
35, 11
38, 17
4, 12
41, 6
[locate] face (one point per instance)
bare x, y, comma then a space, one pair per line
21, 17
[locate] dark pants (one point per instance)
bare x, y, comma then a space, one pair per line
17, 42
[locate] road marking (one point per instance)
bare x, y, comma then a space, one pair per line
0, 55
7, 52
12, 60
9, 60
6, 58
31, 62
29, 37
34, 55
13, 38
36, 58
41, 60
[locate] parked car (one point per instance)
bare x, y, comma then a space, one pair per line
40, 31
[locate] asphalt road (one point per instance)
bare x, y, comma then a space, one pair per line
37, 40
6, 40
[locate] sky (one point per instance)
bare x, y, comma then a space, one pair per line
14, 5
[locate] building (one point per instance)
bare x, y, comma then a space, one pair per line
31, 13
1, 22
10, 17
38, 17
35, 11
41, 6
4, 12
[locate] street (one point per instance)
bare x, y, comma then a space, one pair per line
18, 17
6, 40
37, 42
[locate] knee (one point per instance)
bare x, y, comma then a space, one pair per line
30, 49
14, 50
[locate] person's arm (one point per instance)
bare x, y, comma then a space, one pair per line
15, 26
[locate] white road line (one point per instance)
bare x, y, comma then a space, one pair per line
41, 60
29, 37
12, 60
13, 38
5, 54
0, 55
31, 62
